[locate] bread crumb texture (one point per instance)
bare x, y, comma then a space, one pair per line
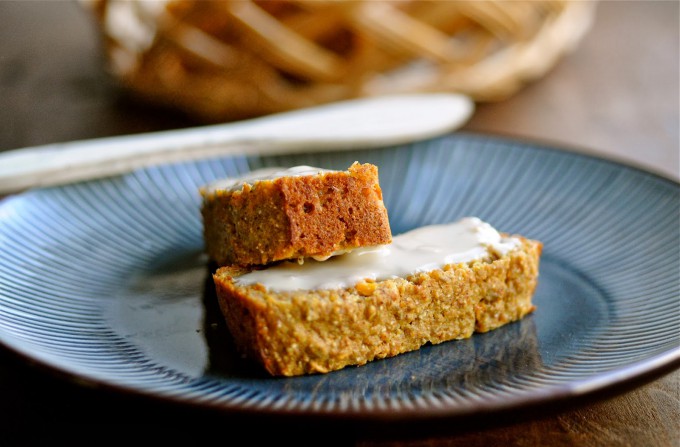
295, 217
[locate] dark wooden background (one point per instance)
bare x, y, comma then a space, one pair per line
616, 96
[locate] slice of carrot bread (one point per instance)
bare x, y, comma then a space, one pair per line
275, 214
430, 285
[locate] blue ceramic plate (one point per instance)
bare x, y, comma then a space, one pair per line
106, 281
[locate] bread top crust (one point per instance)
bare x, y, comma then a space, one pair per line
259, 280
248, 181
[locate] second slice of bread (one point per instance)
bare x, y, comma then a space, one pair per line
294, 332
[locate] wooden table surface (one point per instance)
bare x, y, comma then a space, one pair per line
616, 96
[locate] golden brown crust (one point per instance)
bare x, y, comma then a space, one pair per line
293, 217
294, 333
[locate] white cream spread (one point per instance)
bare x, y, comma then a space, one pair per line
236, 183
419, 250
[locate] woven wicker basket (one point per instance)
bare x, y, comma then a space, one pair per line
234, 59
